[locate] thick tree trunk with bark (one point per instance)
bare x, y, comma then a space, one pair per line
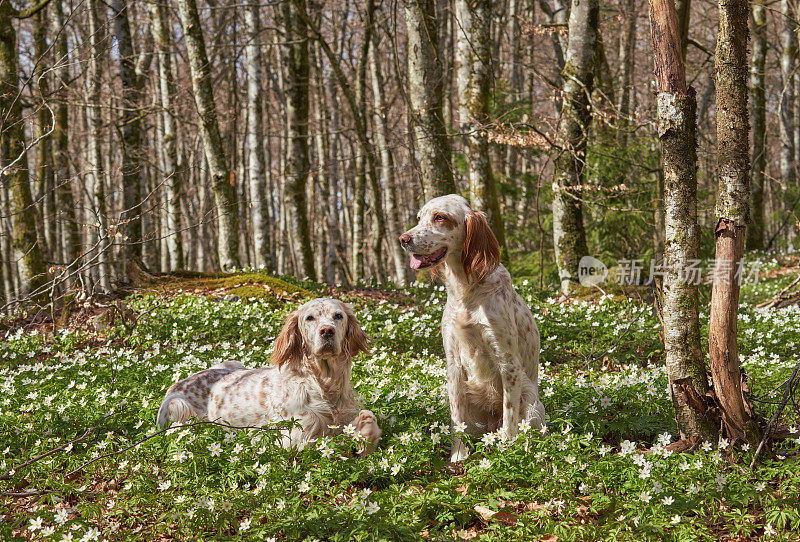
257, 179
221, 180
677, 124
474, 74
297, 165
173, 174
733, 214
14, 165
569, 237
755, 233
425, 80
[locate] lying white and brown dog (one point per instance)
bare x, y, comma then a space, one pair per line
308, 380
490, 337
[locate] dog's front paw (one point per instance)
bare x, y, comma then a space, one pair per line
366, 425
459, 451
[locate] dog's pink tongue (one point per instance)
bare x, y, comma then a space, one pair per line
415, 262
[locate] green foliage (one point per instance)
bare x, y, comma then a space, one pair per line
586, 477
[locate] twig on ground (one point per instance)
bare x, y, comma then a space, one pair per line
787, 390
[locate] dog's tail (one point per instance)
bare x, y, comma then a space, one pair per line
174, 408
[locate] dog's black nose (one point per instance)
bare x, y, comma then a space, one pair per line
405, 238
327, 331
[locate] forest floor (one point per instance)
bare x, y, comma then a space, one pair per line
601, 470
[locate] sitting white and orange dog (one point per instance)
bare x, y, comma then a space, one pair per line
490, 337
308, 380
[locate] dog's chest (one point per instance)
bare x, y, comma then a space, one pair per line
469, 342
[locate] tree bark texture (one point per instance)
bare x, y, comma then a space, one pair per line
173, 174
257, 177
70, 236
758, 108
14, 165
569, 237
677, 123
474, 74
131, 139
425, 80
788, 39
95, 181
296, 65
221, 180
733, 214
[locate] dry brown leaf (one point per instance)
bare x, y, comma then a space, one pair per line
549, 538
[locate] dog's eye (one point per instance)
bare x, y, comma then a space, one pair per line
338, 316
439, 218
309, 318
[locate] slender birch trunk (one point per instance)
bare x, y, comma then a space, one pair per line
94, 121
569, 237
255, 138
380, 113
173, 174
677, 125
474, 69
733, 214
755, 233
44, 123
221, 180
788, 59
425, 79
70, 237
627, 49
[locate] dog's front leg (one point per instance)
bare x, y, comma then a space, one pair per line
366, 425
511, 377
459, 413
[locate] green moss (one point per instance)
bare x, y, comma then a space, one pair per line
246, 285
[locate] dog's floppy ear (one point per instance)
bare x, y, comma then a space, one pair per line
481, 253
355, 340
289, 344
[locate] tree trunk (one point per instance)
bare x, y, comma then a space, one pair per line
95, 179
70, 237
732, 213
44, 167
787, 120
173, 174
14, 165
474, 69
677, 107
425, 80
297, 166
684, 8
627, 49
755, 233
221, 180
380, 113
255, 139
131, 133
569, 237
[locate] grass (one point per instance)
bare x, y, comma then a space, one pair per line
600, 471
